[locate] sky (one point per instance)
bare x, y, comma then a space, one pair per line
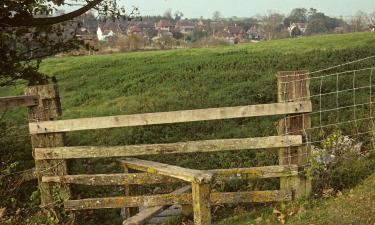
248, 8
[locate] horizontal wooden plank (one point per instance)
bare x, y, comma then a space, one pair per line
18, 101
255, 172
147, 178
111, 179
189, 175
169, 117
146, 214
174, 148
173, 199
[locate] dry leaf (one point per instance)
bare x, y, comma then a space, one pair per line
2, 212
280, 216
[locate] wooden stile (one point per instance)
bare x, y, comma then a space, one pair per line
169, 117
174, 148
177, 199
294, 87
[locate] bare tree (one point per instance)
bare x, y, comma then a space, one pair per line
360, 21
273, 25
168, 14
216, 16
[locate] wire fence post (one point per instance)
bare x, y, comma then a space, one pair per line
294, 86
49, 108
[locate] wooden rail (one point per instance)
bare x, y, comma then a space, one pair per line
169, 117
189, 175
18, 101
174, 148
147, 178
177, 199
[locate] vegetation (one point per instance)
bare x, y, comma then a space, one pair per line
354, 206
175, 80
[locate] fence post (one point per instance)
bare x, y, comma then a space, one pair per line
129, 190
201, 203
49, 108
294, 86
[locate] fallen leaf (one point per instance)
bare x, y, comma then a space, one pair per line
2, 212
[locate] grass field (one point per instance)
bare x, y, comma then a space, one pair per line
185, 79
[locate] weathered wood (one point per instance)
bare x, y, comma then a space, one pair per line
169, 117
174, 148
129, 190
255, 172
111, 179
18, 101
184, 174
48, 108
147, 178
173, 199
293, 87
201, 203
146, 214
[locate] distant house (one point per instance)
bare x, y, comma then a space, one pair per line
164, 25
231, 34
255, 33
104, 35
134, 30
297, 29
236, 31
185, 26
339, 30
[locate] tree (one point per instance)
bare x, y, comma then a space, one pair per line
30, 31
178, 15
216, 16
168, 14
371, 18
360, 21
273, 25
298, 15
316, 26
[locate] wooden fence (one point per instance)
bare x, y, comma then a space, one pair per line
50, 154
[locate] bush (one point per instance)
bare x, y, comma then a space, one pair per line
341, 162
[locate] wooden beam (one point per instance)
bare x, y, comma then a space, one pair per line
201, 204
174, 148
147, 178
169, 117
146, 214
255, 172
111, 179
18, 101
173, 199
189, 175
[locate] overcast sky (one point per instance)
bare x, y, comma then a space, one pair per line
247, 8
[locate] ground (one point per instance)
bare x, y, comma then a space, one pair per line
354, 207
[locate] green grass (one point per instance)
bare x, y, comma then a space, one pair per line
355, 206
189, 79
